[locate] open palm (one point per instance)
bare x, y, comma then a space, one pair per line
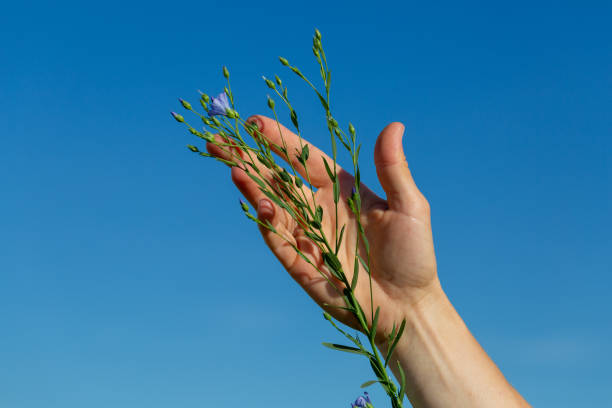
399, 231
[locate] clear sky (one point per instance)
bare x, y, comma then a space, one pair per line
129, 277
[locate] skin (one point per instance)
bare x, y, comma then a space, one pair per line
444, 365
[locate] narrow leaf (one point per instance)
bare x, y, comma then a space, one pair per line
374, 323
392, 348
341, 347
355, 274
402, 389
363, 263
368, 383
257, 180
340, 236
376, 369
336, 192
328, 170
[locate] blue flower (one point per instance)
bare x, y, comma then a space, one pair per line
219, 105
361, 402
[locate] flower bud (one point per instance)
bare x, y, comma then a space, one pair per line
285, 176
209, 137
204, 97
177, 117
315, 51
193, 148
283, 61
298, 182
352, 129
216, 121
278, 80
185, 104
244, 206
225, 72
317, 34
269, 83
270, 103
333, 122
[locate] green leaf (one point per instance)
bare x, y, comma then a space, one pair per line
402, 389
305, 153
368, 383
336, 192
340, 237
313, 236
294, 119
334, 265
355, 274
257, 180
323, 101
341, 347
319, 213
392, 334
328, 170
376, 369
397, 337
374, 323
363, 263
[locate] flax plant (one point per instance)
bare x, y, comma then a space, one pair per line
226, 129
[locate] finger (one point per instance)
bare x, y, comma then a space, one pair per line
221, 150
280, 136
392, 169
283, 244
247, 186
249, 189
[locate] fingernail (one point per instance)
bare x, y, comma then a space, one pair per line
254, 120
265, 209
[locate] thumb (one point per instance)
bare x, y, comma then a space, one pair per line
392, 169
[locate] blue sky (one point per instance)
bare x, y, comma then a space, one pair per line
129, 277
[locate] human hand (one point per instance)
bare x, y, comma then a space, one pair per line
398, 229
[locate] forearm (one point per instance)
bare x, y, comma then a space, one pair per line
443, 363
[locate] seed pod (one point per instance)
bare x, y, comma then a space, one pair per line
244, 206
278, 80
285, 176
185, 104
283, 61
193, 148
270, 103
225, 72
177, 117
270, 83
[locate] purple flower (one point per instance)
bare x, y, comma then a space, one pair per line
244, 205
177, 117
219, 105
361, 402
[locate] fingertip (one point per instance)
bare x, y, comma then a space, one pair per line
265, 209
257, 121
239, 176
389, 148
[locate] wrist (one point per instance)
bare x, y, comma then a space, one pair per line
424, 304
